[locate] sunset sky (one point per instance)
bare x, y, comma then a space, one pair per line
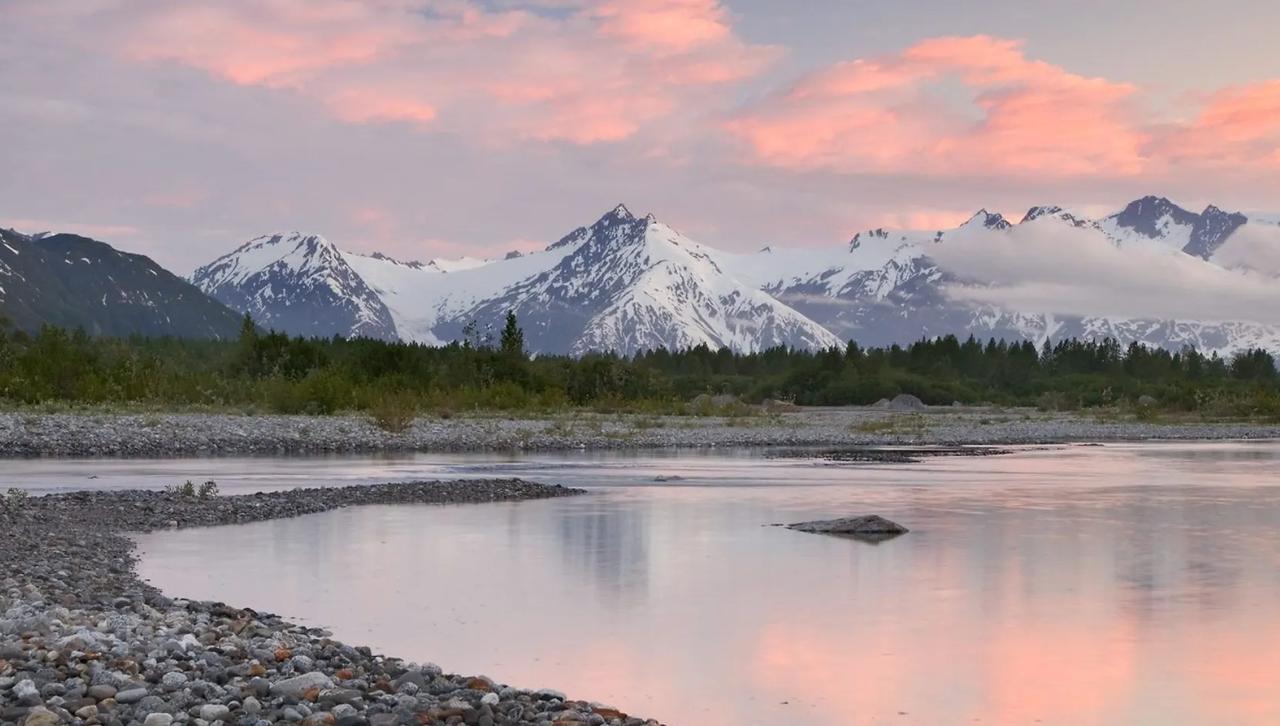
447, 127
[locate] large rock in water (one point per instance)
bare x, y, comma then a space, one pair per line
870, 525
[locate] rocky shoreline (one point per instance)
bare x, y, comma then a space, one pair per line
151, 435
84, 641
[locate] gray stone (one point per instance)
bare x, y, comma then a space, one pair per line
41, 716
149, 705
132, 695
26, 693
214, 712
174, 680
158, 719
298, 685
331, 696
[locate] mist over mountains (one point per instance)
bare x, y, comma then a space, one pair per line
1153, 273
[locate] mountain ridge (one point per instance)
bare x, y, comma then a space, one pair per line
72, 281
628, 283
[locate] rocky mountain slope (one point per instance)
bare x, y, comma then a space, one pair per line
76, 282
298, 283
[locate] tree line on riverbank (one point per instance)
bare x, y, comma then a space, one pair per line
272, 372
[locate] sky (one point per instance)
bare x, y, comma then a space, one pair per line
425, 128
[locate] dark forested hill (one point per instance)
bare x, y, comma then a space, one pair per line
76, 282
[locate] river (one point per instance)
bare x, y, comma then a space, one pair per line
1127, 583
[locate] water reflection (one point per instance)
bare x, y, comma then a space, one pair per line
1078, 585
610, 547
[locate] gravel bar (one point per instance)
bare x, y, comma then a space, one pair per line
202, 434
84, 641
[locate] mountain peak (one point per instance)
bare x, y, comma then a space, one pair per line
619, 215
1053, 211
990, 220
1037, 212
1211, 229
1151, 215
380, 256
295, 235
877, 233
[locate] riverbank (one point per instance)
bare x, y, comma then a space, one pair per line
83, 640
189, 434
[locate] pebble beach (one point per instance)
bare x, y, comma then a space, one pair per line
84, 641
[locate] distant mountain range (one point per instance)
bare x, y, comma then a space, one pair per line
624, 283
75, 282
629, 283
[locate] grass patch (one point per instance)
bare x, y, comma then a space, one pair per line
895, 425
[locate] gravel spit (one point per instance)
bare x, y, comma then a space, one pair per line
201, 434
84, 641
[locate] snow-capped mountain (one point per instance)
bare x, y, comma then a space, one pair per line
628, 283
298, 283
75, 282
624, 283
888, 289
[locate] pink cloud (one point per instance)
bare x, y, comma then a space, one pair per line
666, 25
892, 114
589, 72
922, 219
1236, 127
274, 43
366, 105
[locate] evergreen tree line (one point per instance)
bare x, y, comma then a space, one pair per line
273, 372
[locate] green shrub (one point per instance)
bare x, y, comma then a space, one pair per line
393, 414
186, 489
15, 499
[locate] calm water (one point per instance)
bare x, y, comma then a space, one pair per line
1117, 584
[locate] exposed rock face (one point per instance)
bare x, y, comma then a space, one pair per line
871, 526
300, 284
1211, 230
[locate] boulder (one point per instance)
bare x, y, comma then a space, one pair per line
868, 526
906, 402
299, 685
